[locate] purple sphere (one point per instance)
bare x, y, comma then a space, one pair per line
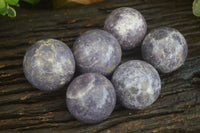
49, 64
165, 48
97, 51
137, 84
91, 98
127, 25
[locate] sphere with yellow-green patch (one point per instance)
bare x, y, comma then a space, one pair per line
49, 64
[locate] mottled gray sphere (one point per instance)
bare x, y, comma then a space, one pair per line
165, 48
127, 25
97, 51
91, 98
137, 84
49, 64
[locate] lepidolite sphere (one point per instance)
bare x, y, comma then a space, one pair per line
137, 84
127, 25
49, 64
91, 98
97, 51
165, 48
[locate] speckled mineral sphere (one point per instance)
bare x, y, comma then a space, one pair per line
91, 98
165, 48
137, 84
127, 25
49, 64
97, 51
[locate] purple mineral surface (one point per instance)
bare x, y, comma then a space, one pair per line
165, 48
137, 84
49, 64
127, 25
97, 51
91, 98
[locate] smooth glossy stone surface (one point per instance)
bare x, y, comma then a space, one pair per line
91, 98
127, 25
165, 48
49, 64
97, 51
137, 84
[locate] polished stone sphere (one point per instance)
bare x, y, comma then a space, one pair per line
49, 64
165, 48
127, 25
91, 98
97, 51
137, 84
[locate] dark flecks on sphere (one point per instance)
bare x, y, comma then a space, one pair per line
127, 25
137, 84
49, 64
97, 51
160, 34
91, 98
165, 48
